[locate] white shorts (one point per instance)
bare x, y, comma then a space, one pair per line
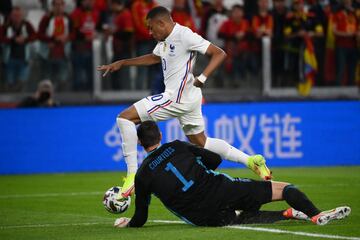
160, 108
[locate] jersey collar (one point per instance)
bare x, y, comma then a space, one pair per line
149, 153
172, 32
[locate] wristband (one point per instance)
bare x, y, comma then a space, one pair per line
202, 78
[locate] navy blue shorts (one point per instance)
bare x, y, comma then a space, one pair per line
241, 194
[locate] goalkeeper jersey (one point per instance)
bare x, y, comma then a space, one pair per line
181, 175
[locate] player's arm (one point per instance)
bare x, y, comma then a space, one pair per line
194, 42
145, 60
217, 56
210, 159
142, 202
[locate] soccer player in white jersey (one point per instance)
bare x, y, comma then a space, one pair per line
176, 49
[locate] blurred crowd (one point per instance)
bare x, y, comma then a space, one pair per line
59, 35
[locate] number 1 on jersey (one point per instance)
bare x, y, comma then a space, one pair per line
172, 168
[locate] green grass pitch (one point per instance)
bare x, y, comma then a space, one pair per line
69, 206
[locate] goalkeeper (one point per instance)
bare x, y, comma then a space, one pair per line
181, 175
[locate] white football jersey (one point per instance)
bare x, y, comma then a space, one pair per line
178, 55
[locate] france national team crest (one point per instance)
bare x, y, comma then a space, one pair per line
172, 50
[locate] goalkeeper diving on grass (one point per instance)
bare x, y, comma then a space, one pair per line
176, 49
182, 176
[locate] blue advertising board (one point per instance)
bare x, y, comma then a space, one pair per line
72, 139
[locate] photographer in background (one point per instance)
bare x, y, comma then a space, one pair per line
43, 96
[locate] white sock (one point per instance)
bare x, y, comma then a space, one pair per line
129, 143
225, 150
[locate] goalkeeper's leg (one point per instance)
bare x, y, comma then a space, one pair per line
259, 217
279, 191
299, 201
234, 217
294, 197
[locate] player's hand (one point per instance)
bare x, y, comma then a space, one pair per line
121, 222
110, 67
198, 84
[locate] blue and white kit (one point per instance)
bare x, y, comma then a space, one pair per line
181, 99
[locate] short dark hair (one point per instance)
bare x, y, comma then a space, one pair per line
157, 11
148, 133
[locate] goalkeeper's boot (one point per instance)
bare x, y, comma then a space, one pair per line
257, 164
128, 186
291, 213
333, 214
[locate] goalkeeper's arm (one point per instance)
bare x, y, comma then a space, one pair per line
142, 201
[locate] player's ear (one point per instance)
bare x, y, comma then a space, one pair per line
160, 136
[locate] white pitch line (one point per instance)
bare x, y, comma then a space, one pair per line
327, 185
75, 224
306, 234
274, 230
51, 225
49, 195
257, 229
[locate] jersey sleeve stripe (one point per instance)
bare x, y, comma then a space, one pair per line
183, 82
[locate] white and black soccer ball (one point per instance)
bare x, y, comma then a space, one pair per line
113, 203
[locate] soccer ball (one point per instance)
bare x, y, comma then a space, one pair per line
113, 204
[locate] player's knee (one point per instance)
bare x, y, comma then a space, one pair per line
278, 190
130, 114
123, 122
122, 115
119, 118
287, 190
197, 139
201, 141
206, 143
